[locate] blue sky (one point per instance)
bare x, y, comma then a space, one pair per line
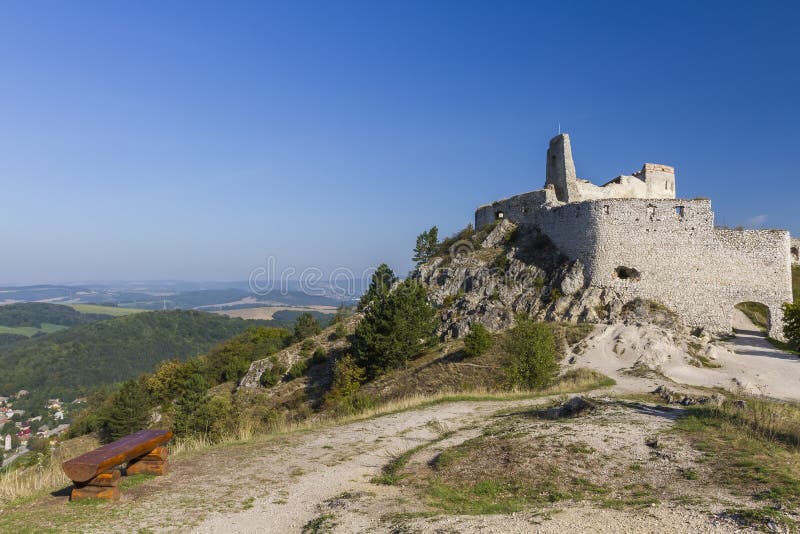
191, 140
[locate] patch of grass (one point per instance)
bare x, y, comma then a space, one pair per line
782, 345
765, 518
320, 524
752, 447
132, 481
391, 475
580, 448
248, 503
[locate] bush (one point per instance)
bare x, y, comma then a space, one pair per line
501, 262
306, 326
344, 397
274, 374
200, 414
307, 347
320, 356
396, 327
531, 350
477, 341
298, 369
791, 323
340, 332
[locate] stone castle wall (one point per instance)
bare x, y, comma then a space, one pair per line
682, 261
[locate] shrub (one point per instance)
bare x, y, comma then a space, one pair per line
791, 323
306, 326
200, 414
477, 341
501, 262
307, 347
274, 374
531, 350
344, 397
340, 332
320, 356
396, 327
298, 369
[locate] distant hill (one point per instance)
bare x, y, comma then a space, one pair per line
75, 361
26, 319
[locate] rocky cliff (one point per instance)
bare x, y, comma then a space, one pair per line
490, 276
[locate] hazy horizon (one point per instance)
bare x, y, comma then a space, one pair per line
191, 141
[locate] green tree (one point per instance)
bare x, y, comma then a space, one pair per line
427, 244
478, 340
199, 414
306, 326
344, 397
791, 323
129, 411
531, 349
397, 326
382, 280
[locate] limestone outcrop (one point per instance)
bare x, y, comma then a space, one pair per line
507, 269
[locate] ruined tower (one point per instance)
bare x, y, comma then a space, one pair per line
561, 169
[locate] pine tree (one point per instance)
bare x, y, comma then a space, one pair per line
382, 280
427, 243
129, 411
397, 326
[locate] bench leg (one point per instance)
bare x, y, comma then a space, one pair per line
153, 463
103, 486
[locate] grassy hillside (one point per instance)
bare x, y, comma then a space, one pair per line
75, 361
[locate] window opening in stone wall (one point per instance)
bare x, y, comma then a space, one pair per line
651, 211
680, 211
606, 209
498, 215
627, 273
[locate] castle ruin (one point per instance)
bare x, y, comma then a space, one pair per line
635, 237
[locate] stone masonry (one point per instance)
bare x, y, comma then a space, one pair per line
634, 236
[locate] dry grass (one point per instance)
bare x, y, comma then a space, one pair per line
573, 381
47, 475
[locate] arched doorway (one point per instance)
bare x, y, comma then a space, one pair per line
749, 315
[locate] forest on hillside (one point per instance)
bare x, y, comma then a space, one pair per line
78, 360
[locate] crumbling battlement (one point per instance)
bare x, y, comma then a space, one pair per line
657, 248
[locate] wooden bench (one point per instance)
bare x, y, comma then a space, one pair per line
96, 474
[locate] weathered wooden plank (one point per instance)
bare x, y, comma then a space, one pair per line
157, 454
95, 492
107, 479
89, 465
159, 467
